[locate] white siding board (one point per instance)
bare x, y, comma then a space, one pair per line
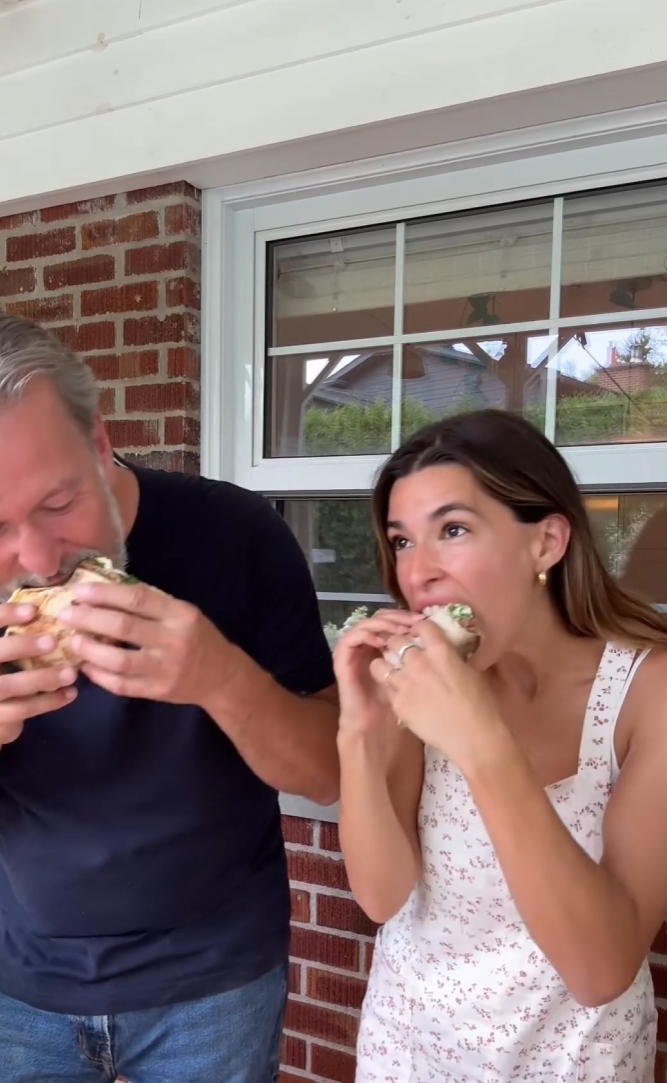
92, 90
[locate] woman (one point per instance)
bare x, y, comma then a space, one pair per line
510, 831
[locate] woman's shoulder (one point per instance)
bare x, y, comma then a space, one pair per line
643, 716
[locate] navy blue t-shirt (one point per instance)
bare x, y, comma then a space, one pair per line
141, 860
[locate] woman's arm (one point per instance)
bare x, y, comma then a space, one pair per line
594, 922
378, 819
382, 769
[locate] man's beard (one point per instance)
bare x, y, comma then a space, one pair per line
116, 553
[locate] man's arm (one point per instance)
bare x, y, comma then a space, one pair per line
271, 692
289, 741
279, 704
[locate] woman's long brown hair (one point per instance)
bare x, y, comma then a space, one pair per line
516, 465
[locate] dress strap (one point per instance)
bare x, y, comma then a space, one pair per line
616, 672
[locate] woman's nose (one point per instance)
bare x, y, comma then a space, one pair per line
424, 566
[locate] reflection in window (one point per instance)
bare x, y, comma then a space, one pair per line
332, 288
478, 269
507, 373
612, 385
614, 256
337, 537
333, 403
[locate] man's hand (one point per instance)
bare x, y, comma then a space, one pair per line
28, 693
178, 654
289, 741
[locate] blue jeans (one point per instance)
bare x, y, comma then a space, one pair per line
230, 1038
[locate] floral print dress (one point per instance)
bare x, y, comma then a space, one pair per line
459, 992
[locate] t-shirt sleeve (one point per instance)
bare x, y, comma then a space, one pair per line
288, 640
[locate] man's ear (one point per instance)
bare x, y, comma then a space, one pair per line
102, 446
553, 539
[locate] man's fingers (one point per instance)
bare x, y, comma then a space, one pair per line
32, 682
116, 624
18, 710
14, 648
15, 614
136, 598
119, 684
103, 656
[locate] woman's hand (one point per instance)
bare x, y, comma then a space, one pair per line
443, 700
364, 706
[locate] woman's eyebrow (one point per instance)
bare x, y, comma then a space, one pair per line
439, 513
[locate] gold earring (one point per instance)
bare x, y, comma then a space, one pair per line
542, 579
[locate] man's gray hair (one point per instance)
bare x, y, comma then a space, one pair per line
28, 351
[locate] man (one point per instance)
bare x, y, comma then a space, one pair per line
144, 901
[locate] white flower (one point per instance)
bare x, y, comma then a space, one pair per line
333, 632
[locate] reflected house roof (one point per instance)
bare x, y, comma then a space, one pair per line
440, 376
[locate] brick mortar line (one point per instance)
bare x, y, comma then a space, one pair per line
336, 854
303, 998
325, 1042
158, 204
152, 378
329, 969
305, 1074
43, 229
325, 967
338, 932
73, 255
336, 892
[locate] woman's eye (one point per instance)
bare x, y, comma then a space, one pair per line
455, 530
398, 543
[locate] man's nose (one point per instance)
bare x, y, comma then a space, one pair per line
37, 553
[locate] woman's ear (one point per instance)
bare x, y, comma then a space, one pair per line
553, 539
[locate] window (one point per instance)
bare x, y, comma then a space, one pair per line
341, 314
359, 317
555, 309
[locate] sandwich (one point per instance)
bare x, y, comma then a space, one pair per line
457, 621
50, 601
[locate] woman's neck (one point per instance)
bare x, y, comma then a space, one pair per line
542, 656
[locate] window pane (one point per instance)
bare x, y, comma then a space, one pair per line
507, 373
335, 403
631, 531
337, 537
612, 385
615, 252
332, 288
479, 269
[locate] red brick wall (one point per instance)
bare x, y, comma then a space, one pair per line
332, 946
117, 278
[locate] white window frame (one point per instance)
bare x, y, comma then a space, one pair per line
240, 222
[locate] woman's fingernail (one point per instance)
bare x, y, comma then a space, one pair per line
46, 643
